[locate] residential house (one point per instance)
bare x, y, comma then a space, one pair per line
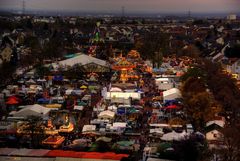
233, 67
213, 132
6, 54
232, 17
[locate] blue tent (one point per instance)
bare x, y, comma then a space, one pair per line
139, 90
121, 111
43, 101
159, 69
58, 78
69, 56
170, 102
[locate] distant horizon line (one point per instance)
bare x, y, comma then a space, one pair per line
118, 13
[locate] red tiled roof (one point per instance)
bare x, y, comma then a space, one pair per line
87, 155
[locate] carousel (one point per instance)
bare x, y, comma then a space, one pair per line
50, 129
126, 69
93, 77
133, 54
68, 127
54, 141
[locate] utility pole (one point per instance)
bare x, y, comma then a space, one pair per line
189, 14
23, 7
123, 11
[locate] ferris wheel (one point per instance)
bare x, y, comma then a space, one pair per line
94, 40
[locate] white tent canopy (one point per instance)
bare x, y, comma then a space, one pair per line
171, 94
89, 128
123, 95
157, 131
6, 92
81, 59
119, 124
106, 115
162, 80
112, 108
41, 80
31, 81
115, 89
32, 110
80, 108
174, 136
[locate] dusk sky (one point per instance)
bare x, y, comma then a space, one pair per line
210, 6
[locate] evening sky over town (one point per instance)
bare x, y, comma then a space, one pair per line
131, 6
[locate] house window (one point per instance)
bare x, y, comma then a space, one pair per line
215, 135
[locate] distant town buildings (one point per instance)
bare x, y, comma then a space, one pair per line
232, 17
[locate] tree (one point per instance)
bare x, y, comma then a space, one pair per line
233, 52
200, 109
45, 26
224, 89
192, 148
199, 103
41, 70
231, 142
191, 51
53, 48
7, 70
36, 49
192, 86
153, 46
29, 24
177, 121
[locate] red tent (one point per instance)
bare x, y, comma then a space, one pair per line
13, 97
12, 101
87, 155
9, 131
171, 107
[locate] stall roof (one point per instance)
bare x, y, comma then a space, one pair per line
171, 91
89, 128
107, 112
35, 109
82, 59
